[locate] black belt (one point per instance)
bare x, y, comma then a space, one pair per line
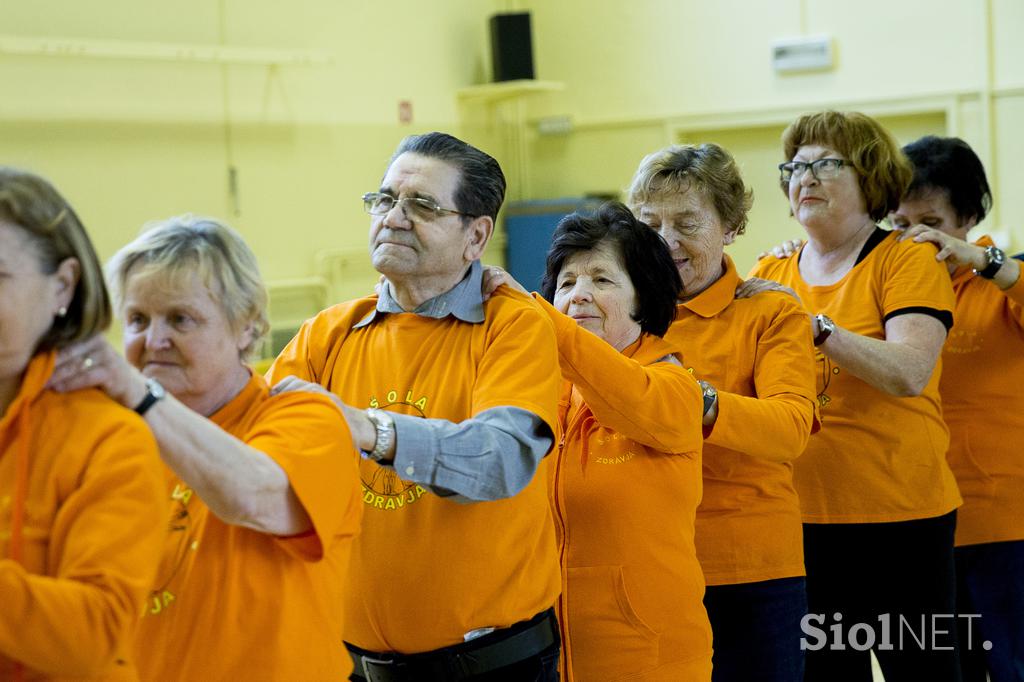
490, 652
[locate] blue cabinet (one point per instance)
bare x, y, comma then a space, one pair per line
528, 227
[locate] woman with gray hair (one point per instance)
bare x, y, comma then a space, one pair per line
753, 355
265, 501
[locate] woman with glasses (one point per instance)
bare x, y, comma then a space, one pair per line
983, 362
265, 499
877, 496
81, 511
754, 356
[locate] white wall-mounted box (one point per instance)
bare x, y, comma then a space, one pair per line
809, 53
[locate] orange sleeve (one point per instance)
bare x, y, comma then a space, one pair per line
1016, 295
308, 437
778, 422
659, 405
913, 278
105, 545
519, 367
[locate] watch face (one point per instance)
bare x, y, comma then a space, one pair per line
155, 388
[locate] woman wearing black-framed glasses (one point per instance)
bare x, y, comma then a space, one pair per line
877, 496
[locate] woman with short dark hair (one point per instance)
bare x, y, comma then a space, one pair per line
81, 511
983, 362
625, 480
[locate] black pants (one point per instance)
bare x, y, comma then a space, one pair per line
889, 587
756, 629
990, 601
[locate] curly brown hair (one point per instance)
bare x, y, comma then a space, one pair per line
707, 167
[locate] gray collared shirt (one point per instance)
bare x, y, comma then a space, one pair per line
490, 456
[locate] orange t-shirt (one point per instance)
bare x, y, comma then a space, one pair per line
984, 407
878, 457
92, 532
624, 488
231, 603
758, 353
427, 570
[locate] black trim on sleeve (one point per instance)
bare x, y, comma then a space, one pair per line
943, 316
874, 240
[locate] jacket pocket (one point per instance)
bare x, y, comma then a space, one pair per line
606, 632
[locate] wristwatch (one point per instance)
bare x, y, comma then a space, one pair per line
154, 392
710, 395
385, 427
996, 258
825, 328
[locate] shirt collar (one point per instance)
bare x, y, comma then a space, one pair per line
719, 295
464, 301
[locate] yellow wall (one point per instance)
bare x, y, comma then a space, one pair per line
641, 75
131, 140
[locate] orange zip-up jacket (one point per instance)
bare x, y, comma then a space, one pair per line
82, 524
758, 353
878, 457
983, 365
231, 603
624, 488
426, 570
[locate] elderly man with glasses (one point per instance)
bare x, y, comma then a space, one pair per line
455, 572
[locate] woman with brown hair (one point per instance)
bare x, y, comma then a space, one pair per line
81, 514
877, 495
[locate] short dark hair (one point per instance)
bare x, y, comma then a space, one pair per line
54, 230
481, 188
643, 253
883, 171
948, 164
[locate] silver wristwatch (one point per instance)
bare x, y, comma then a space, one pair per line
709, 394
996, 258
825, 328
385, 427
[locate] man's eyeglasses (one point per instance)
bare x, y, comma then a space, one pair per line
414, 208
822, 169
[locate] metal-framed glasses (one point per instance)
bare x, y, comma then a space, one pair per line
414, 208
822, 169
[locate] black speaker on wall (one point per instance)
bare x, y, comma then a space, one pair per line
511, 46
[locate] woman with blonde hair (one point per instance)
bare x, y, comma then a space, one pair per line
265, 497
878, 498
81, 514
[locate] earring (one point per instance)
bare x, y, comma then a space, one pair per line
62, 311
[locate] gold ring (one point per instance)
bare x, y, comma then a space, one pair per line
88, 363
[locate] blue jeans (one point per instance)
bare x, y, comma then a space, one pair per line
756, 629
990, 583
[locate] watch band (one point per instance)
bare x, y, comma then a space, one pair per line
996, 258
385, 427
154, 392
709, 394
825, 328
